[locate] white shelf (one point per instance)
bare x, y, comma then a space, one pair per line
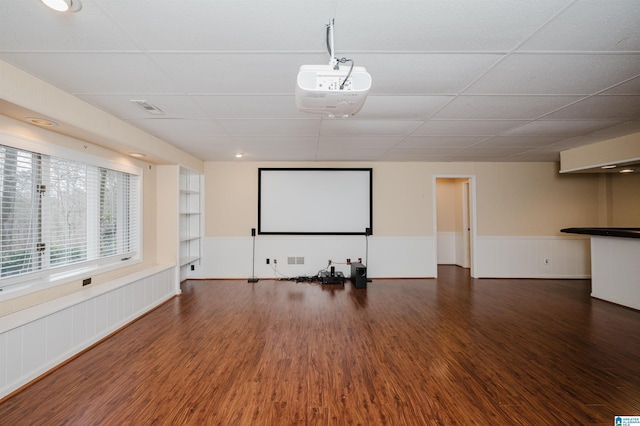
190, 220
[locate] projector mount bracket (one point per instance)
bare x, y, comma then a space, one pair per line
333, 61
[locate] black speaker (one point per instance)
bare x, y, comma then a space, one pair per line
253, 232
359, 275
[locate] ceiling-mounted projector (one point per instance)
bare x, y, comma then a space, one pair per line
341, 92
332, 90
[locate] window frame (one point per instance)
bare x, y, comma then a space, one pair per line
16, 286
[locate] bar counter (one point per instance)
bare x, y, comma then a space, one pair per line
615, 264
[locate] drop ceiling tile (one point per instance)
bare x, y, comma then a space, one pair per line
493, 151
239, 73
339, 127
349, 153
502, 107
254, 106
173, 106
522, 141
441, 141
591, 25
619, 130
290, 153
466, 127
424, 73
224, 25
562, 127
216, 151
271, 127
401, 107
439, 25
556, 74
537, 157
213, 148
631, 87
34, 27
181, 131
96, 72
403, 156
601, 107
409, 151
278, 142
459, 158
359, 141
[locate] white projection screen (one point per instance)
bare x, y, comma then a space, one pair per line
314, 201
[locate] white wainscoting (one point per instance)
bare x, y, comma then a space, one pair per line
616, 270
35, 340
524, 257
389, 257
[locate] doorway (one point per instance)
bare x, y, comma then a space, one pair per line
454, 219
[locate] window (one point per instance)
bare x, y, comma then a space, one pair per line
59, 215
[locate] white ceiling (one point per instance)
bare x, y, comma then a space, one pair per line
453, 80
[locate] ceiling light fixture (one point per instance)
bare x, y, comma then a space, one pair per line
137, 155
627, 171
610, 166
63, 5
239, 155
43, 122
332, 90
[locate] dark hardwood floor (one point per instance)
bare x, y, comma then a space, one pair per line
451, 351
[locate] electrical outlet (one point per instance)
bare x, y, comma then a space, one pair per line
275, 261
267, 261
86, 281
348, 261
193, 267
546, 261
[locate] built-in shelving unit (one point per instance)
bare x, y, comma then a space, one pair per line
190, 221
179, 224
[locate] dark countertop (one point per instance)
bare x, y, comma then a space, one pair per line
606, 232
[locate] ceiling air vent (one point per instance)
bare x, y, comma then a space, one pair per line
151, 109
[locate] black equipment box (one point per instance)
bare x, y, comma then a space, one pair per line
328, 278
359, 275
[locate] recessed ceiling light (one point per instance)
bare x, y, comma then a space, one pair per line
610, 166
627, 171
64, 5
239, 155
41, 122
137, 155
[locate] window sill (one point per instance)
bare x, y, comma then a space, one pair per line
25, 316
32, 286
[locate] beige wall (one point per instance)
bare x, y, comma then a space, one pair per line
446, 203
532, 199
625, 200
520, 199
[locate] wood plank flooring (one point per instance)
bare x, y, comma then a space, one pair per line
451, 351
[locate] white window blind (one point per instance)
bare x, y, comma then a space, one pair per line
57, 213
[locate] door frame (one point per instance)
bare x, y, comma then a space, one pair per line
472, 219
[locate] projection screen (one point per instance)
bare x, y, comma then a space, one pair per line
317, 201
